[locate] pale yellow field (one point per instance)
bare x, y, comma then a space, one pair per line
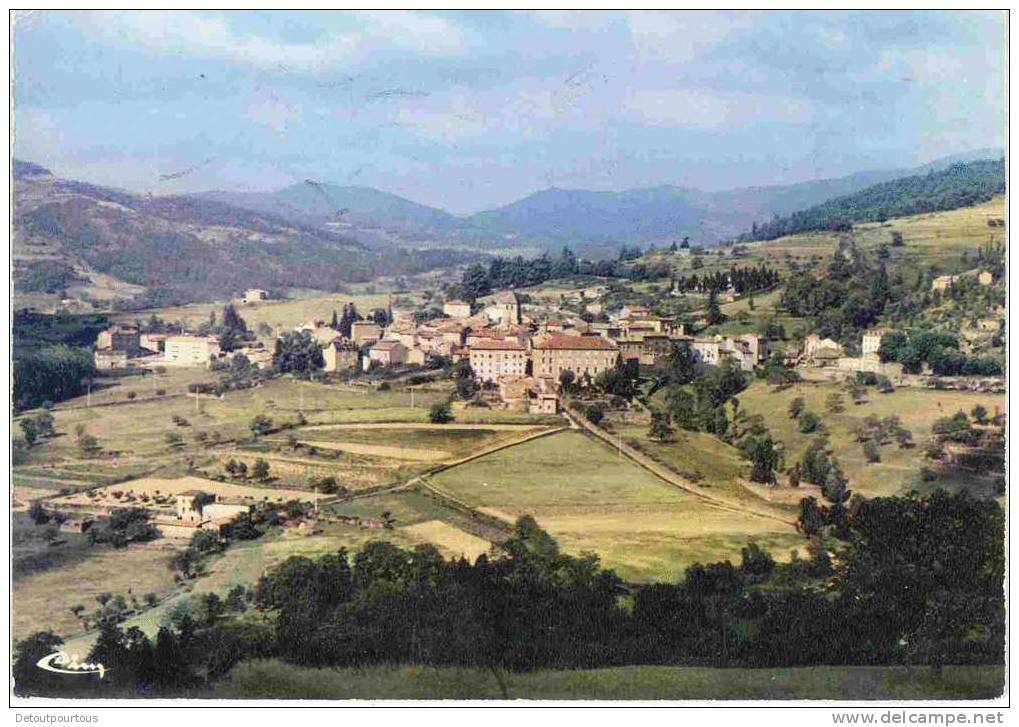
451, 541
375, 450
153, 485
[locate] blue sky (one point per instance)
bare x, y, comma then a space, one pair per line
468, 110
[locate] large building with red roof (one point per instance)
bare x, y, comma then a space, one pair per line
583, 355
491, 358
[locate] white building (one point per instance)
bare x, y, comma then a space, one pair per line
187, 350
491, 358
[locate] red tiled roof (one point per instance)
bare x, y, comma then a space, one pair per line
493, 344
590, 343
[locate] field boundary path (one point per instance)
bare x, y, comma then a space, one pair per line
670, 477
422, 479
453, 426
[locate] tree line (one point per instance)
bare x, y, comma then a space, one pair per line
501, 273
916, 580
741, 280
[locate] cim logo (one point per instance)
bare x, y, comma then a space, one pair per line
60, 662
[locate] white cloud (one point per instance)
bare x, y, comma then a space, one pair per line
679, 36
705, 109
210, 36
450, 122
588, 20
273, 113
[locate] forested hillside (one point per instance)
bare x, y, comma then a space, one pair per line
958, 186
182, 249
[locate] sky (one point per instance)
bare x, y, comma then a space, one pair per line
471, 110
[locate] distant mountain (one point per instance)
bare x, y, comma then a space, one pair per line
666, 212
594, 222
367, 213
940, 188
183, 248
565, 214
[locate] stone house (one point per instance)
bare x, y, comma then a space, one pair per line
340, 355
108, 359
120, 338
388, 353
503, 307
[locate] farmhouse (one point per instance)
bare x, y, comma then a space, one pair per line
197, 507
108, 359
322, 333
340, 355
820, 352
120, 338
707, 350
190, 350
530, 394
583, 355
258, 356
491, 358
255, 295
387, 353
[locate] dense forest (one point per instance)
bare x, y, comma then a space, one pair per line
917, 580
52, 356
960, 185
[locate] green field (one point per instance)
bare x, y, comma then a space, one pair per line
276, 680
898, 469
592, 499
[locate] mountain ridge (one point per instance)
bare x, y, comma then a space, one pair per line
554, 216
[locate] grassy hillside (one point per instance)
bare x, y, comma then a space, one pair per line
899, 469
276, 680
592, 499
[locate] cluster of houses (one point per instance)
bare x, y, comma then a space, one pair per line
825, 353
524, 356
122, 346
